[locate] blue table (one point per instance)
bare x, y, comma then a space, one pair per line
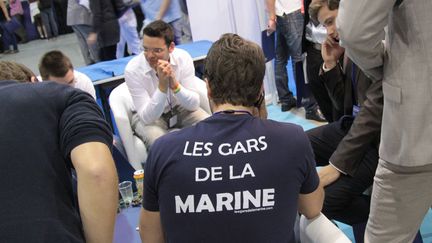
125, 226
108, 74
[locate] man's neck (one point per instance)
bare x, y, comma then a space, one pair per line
235, 109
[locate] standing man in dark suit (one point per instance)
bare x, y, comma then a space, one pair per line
347, 148
106, 29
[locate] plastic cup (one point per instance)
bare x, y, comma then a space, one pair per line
126, 192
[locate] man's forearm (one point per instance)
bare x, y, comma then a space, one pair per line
97, 192
163, 8
151, 227
4, 10
270, 4
188, 99
98, 199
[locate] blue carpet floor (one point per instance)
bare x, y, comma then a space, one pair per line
275, 113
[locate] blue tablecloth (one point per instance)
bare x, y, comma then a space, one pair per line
108, 69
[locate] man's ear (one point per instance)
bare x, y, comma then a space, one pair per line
171, 47
33, 79
208, 88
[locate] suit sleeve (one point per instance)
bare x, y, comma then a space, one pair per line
360, 26
334, 82
364, 131
96, 9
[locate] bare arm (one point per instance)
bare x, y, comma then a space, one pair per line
270, 4
271, 26
4, 9
150, 227
163, 8
97, 190
310, 205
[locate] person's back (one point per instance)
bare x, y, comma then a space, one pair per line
230, 177
41, 124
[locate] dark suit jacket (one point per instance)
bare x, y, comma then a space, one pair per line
105, 22
366, 128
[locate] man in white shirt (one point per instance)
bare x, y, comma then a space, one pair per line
55, 66
163, 86
286, 19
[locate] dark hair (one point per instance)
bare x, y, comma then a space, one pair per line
160, 29
316, 6
54, 63
235, 69
15, 71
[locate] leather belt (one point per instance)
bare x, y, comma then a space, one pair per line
287, 14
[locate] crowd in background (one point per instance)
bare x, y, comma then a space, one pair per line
351, 89
117, 25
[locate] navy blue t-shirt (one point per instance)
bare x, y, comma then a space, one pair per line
229, 178
40, 125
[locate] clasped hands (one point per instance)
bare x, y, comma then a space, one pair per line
166, 76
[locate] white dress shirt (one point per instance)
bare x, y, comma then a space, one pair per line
84, 83
150, 103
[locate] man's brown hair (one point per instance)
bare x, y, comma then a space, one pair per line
55, 64
235, 70
160, 29
15, 71
316, 6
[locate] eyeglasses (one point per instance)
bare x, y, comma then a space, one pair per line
154, 50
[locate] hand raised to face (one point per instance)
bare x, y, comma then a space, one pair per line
331, 51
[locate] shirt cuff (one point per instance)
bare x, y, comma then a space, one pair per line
325, 69
334, 166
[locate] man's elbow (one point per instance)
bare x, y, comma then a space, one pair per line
312, 206
95, 163
348, 38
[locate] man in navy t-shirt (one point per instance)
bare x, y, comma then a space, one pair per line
46, 130
234, 177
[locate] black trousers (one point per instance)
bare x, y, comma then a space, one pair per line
107, 53
344, 199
